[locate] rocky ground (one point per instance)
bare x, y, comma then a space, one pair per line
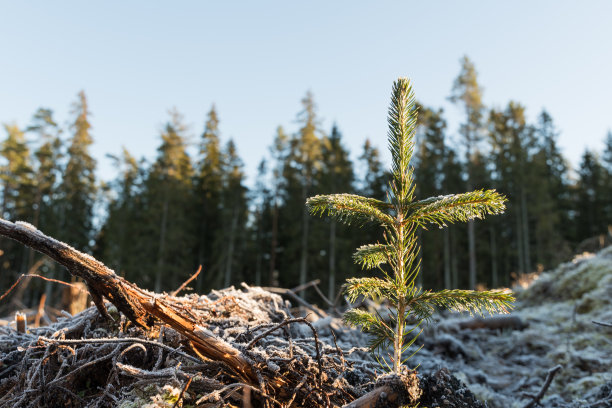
84, 360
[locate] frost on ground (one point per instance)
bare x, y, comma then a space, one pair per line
557, 311
83, 360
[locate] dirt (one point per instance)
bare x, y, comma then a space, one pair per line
85, 360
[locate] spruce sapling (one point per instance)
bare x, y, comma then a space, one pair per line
396, 257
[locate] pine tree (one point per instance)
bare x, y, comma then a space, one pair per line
307, 159
208, 187
48, 169
78, 188
512, 143
550, 196
17, 178
234, 213
590, 220
468, 92
169, 201
429, 159
336, 175
119, 240
401, 217
279, 152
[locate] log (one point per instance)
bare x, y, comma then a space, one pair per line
138, 305
384, 395
391, 391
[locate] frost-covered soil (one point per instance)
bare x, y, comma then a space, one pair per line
558, 310
500, 367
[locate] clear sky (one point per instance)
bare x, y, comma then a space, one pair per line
256, 59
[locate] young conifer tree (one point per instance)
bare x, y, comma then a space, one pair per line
396, 257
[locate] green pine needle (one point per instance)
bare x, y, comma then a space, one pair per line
372, 256
371, 287
457, 207
397, 257
350, 208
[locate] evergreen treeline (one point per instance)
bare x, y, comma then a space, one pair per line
157, 221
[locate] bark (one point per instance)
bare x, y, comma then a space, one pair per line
140, 306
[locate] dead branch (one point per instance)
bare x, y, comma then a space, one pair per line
290, 293
391, 391
195, 275
138, 305
549, 377
602, 324
118, 340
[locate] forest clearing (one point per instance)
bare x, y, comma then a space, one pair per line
248, 347
88, 360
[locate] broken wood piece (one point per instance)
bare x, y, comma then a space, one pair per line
138, 305
382, 395
20, 322
494, 323
290, 293
391, 391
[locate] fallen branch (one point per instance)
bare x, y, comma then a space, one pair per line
290, 293
602, 324
195, 275
549, 377
138, 305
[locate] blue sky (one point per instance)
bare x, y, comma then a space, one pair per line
255, 61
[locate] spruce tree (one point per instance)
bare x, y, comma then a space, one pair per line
336, 175
78, 188
17, 184
467, 91
208, 187
169, 200
48, 169
234, 210
401, 216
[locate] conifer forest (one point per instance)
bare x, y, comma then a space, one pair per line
159, 219
235, 337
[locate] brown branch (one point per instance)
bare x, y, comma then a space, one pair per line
549, 377
180, 397
138, 305
294, 296
23, 275
195, 275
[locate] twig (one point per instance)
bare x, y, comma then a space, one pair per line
273, 329
603, 324
27, 275
326, 300
41, 310
286, 322
195, 275
549, 377
180, 397
121, 340
306, 285
294, 296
